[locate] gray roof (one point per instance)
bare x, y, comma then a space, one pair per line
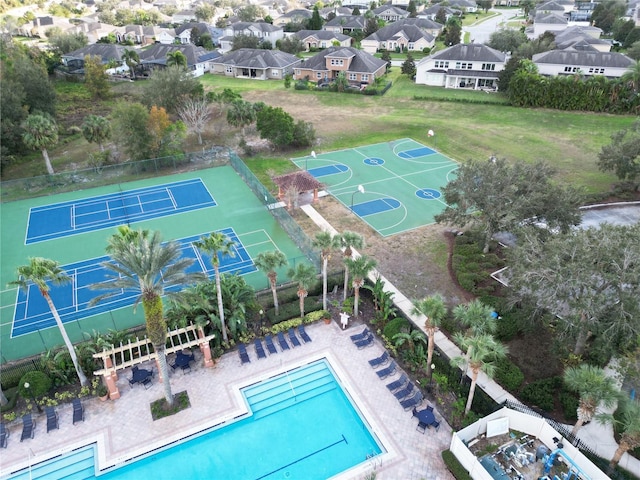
262, 26
423, 23
321, 35
348, 21
474, 52
551, 18
579, 42
577, 31
411, 32
361, 61
103, 50
434, 9
297, 13
202, 27
550, 6
157, 53
396, 10
258, 58
584, 58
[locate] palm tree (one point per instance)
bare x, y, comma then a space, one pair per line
595, 388
477, 317
96, 129
268, 262
629, 425
241, 114
217, 244
481, 349
348, 241
360, 268
410, 338
40, 133
632, 76
131, 58
325, 242
142, 263
434, 309
176, 58
305, 275
41, 272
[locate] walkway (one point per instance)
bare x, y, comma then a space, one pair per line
598, 437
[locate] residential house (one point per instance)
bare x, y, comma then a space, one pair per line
108, 53
580, 36
346, 24
39, 26
94, 31
548, 7
389, 13
360, 68
299, 16
547, 22
470, 65
336, 11
199, 60
361, 4
183, 32
398, 37
256, 63
143, 35
468, 6
264, 31
183, 16
586, 63
318, 39
431, 12
582, 12
424, 24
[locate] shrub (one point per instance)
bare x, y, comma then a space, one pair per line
569, 402
542, 392
395, 326
508, 374
39, 384
454, 466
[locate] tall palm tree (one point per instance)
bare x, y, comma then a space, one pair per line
216, 245
41, 272
141, 262
326, 243
131, 59
96, 129
176, 58
477, 317
348, 241
482, 350
434, 309
595, 388
305, 275
268, 262
40, 133
629, 425
360, 268
632, 76
411, 338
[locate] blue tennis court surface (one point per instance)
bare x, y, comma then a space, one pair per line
416, 152
378, 205
328, 170
32, 312
95, 213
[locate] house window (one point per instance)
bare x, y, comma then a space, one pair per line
275, 72
353, 76
365, 77
464, 66
337, 61
596, 70
488, 66
571, 69
441, 64
411, 46
319, 75
228, 69
297, 70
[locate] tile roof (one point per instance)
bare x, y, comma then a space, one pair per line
474, 52
411, 32
321, 35
361, 61
584, 58
258, 58
302, 181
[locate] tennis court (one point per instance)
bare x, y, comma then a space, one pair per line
183, 207
394, 186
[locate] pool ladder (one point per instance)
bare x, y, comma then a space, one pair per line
374, 460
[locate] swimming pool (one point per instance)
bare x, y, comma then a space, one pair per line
301, 424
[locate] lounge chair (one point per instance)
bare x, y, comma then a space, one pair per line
244, 356
257, 343
52, 418
28, 427
303, 334
405, 392
360, 336
436, 425
430, 408
365, 342
412, 401
422, 427
271, 348
385, 372
379, 361
399, 383
78, 411
4, 435
283, 343
292, 337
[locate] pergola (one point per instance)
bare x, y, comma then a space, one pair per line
141, 350
300, 182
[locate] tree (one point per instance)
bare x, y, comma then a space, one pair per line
507, 39
268, 262
65, 43
205, 12
502, 197
129, 122
241, 114
622, 155
411, 9
632, 77
290, 44
217, 245
132, 60
195, 112
140, 262
485, 5
42, 272
170, 87
359, 267
341, 81
250, 13
245, 41
348, 241
96, 129
355, 11
40, 133
634, 51
434, 310
40, 96
176, 59
275, 125
315, 22
157, 124
628, 422
596, 390
371, 26
477, 317
453, 31
527, 6
408, 67
305, 276
441, 16
587, 279
95, 77
482, 350
386, 56
326, 243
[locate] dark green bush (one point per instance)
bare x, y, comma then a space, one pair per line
569, 402
39, 384
542, 393
292, 309
508, 374
454, 466
395, 326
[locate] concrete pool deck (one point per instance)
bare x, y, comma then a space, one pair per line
124, 428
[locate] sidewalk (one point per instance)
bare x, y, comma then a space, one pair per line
598, 437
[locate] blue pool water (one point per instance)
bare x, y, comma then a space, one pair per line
303, 425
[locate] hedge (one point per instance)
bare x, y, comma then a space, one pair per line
454, 466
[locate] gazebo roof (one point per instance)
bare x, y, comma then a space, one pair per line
302, 181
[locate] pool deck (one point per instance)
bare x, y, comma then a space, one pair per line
123, 428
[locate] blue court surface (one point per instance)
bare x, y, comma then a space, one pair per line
416, 152
328, 170
95, 213
378, 205
32, 311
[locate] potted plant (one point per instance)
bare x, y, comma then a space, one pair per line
326, 315
100, 389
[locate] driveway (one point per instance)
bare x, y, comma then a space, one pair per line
482, 30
